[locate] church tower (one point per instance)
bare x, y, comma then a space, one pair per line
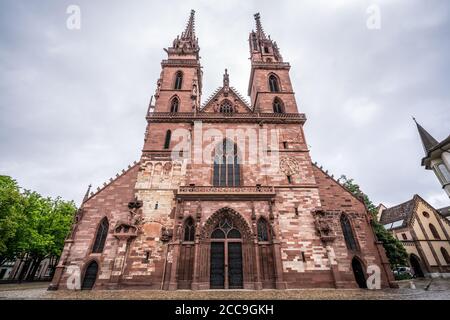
224, 196
270, 87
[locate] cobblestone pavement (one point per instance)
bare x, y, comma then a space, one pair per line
437, 290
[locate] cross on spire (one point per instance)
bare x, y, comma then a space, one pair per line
259, 28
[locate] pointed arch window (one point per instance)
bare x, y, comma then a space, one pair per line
167, 139
178, 80
100, 237
174, 105
273, 83
434, 232
226, 171
189, 230
445, 255
348, 233
278, 106
263, 230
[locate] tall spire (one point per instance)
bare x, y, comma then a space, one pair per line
259, 29
187, 43
428, 141
189, 32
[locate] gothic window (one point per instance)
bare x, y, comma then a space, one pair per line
226, 107
100, 238
445, 255
266, 49
255, 43
434, 232
278, 106
226, 171
263, 230
167, 140
189, 230
273, 83
174, 105
225, 230
178, 80
348, 233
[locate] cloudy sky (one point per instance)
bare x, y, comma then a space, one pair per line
72, 102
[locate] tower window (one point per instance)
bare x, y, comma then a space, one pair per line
273, 84
285, 144
174, 105
178, 80
266, 49
278, 106
156, 205
226, 171
167, 140
296, 211
289, 179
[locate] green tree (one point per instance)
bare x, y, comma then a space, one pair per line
32, 227
395, 251
11, 218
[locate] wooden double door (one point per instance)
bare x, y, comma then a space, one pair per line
226, 265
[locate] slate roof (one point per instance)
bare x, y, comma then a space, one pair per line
402, 211
428, 142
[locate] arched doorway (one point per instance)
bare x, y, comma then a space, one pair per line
90, 275
226, 256
359, 273
415, 265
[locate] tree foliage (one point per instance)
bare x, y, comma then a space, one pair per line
31, 225
395, 251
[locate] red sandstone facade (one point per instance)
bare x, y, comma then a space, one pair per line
172, 221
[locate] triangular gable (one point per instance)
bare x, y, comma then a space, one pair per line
213, 103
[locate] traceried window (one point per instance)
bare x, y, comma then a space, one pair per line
434, 232
167, 139
225, 230
189, 230
174, 105
100, 237
226, 107
178, 80
278, 106
227, 171
273, 84
263, 230
348, 233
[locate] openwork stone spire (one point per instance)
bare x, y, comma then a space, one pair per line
187, 43
259, 29
189, 32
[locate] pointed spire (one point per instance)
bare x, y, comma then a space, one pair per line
189, 32
259, 29
428, 141
86, 196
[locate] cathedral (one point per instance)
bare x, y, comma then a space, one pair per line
224, 196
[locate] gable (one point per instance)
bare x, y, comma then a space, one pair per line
335, 197
222, 95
